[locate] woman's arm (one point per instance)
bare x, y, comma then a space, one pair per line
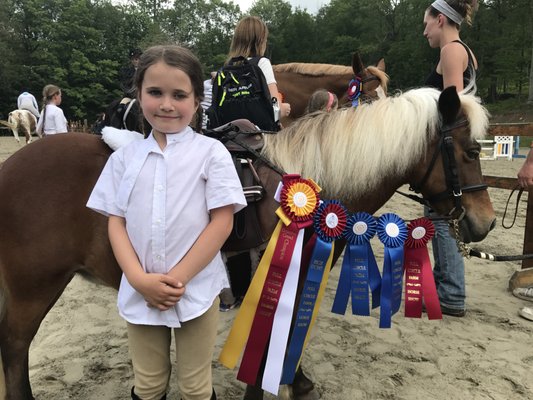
453, 62
206, 246
525, 175
159, 290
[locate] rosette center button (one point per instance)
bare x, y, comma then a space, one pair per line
392, 230
300, 199
332, 220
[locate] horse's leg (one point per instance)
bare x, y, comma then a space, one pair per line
253, 393
302, 387
22, 316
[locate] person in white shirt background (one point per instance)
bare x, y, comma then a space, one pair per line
52, 119
26, 101
170, 199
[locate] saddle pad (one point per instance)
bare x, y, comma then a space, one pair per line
116, 138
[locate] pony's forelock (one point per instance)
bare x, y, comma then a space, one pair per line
391, 133
381, 75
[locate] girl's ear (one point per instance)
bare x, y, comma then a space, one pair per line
441, 19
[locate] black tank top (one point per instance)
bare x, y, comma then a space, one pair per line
435, 79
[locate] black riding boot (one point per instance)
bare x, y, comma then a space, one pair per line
135, 397
214, 395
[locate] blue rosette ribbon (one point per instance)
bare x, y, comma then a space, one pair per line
329, 223
355, 88
359, 268
392, 232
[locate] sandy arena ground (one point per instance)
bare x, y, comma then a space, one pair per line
81, 351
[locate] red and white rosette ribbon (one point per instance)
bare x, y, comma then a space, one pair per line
419, 281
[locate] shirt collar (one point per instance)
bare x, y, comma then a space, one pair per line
179, 137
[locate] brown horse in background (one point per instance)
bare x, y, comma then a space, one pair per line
358, 155
298, 81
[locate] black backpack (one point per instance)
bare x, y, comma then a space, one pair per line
240, 91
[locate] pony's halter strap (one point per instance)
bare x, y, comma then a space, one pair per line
453, 185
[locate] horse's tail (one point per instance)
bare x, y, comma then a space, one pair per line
12, 123
8, 124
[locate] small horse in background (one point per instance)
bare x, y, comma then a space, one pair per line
298, 81
22, 121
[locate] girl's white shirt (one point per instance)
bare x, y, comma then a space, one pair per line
165, 197
55, 121
266, 66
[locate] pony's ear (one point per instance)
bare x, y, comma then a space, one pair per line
381, 65
449, 104
357, 64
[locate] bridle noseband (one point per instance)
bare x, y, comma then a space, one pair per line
453, 185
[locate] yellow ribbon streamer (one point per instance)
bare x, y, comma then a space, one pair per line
242, 325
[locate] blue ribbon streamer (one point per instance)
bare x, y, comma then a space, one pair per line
392, 232
306, 306
359, 268
325, 235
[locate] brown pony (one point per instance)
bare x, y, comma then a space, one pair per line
359, 156
298, 81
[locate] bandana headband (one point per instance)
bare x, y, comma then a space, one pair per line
447, 10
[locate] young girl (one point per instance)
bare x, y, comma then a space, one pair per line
321, 99
456, 67
170, 200
52, 119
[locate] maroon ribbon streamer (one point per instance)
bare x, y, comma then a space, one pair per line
419, 280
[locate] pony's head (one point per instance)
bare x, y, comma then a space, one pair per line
361, 155
373, 79
451, 179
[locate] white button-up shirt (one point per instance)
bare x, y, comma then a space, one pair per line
165, 197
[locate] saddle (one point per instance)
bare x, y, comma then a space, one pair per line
244, 142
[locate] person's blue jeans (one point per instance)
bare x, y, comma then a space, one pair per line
449, 268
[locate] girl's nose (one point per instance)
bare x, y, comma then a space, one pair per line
166, 103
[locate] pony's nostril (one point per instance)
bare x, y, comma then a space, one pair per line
493, 224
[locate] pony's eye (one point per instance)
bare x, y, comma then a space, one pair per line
473, 154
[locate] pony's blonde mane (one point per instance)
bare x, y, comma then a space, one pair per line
313, 69
347, 151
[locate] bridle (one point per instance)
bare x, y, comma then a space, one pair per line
454, 189
360, 96
365, 97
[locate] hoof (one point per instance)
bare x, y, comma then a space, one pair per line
312, 395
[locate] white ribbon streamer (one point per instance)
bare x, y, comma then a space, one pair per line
282, 322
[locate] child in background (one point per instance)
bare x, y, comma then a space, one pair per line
322, 99
170, 199
52, 119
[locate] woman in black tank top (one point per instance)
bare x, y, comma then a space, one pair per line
457, 63
456, 67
